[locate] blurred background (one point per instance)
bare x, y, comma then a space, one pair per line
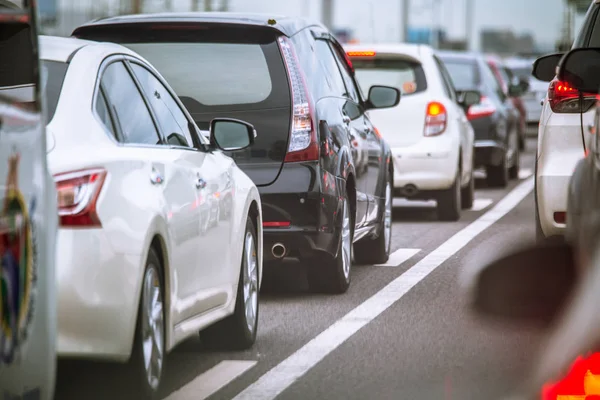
504, 27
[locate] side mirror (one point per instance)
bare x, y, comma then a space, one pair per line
383, 97
469, 98
515, 91
231, 134
579, 69
529, 286
544, 68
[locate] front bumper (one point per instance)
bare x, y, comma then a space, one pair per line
97, 296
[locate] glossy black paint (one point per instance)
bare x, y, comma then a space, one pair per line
307, 194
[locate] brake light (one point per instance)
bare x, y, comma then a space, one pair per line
565, 100
276, 224
361, 53
77, 195
485, 108
581, 382
303, 144
436, 119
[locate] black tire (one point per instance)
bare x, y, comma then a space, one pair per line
497, 175
136, 381
326, 274
450, 200
377, 250
513, 172
522, 142
233, 332
467, 195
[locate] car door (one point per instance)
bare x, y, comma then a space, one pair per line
208, 227
371, 181
340, 111
28, 214
466, 130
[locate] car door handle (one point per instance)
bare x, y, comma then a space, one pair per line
155, 177
200, 183
346, 119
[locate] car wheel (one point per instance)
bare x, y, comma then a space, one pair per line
331, 273
497, 175
238, 331
377, 250
147, 363
467, 195
449, 201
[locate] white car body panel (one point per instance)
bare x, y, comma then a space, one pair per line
100, 270
429, 163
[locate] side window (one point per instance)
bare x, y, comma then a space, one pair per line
104, 114
128, 106
334, 78
492, 81
173, 122
447, 88
351, 89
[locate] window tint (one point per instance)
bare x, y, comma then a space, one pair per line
53, 76
304, 44
224, 73
128, 105
463, 73
104, 114
407, 76
171, 119
591, 28
334, 78
351, 88
492, 81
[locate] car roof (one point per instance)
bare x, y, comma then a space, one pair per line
286, 25
460, 55
56, 48
414, 50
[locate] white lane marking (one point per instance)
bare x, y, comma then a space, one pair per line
213, 380
283, 375
398, 257
480, 204
525, 173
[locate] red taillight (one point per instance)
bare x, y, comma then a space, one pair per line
485, 108
77, 193
565, 100
436, 119
560, 217
276, 224
303, 144
581, 382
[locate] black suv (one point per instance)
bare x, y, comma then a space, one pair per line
292, 80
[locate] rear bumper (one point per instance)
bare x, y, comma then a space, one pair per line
310, 206
488, 152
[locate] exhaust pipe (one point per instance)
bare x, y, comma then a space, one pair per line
410, 190
278, 250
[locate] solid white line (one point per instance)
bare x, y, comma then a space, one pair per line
283, 375
398, 257
213, 380
525, 173
480, 204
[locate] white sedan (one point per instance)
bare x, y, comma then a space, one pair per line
428, 132
142, 262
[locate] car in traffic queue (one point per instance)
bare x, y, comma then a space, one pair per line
291, 79
28, 217
431, 139
494, 119
506, 78
563, 135
136, 274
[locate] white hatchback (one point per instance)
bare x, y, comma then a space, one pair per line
430, 137
160, 233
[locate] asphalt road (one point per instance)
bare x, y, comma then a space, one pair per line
421, 344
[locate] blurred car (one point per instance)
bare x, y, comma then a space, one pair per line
28, 218
135, 277
297, 87
506, 78
494, 119
430, 136
534, 96
563, 136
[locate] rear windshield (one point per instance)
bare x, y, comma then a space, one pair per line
463, 73
407, 76
53, 76
522, 72
223, 73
